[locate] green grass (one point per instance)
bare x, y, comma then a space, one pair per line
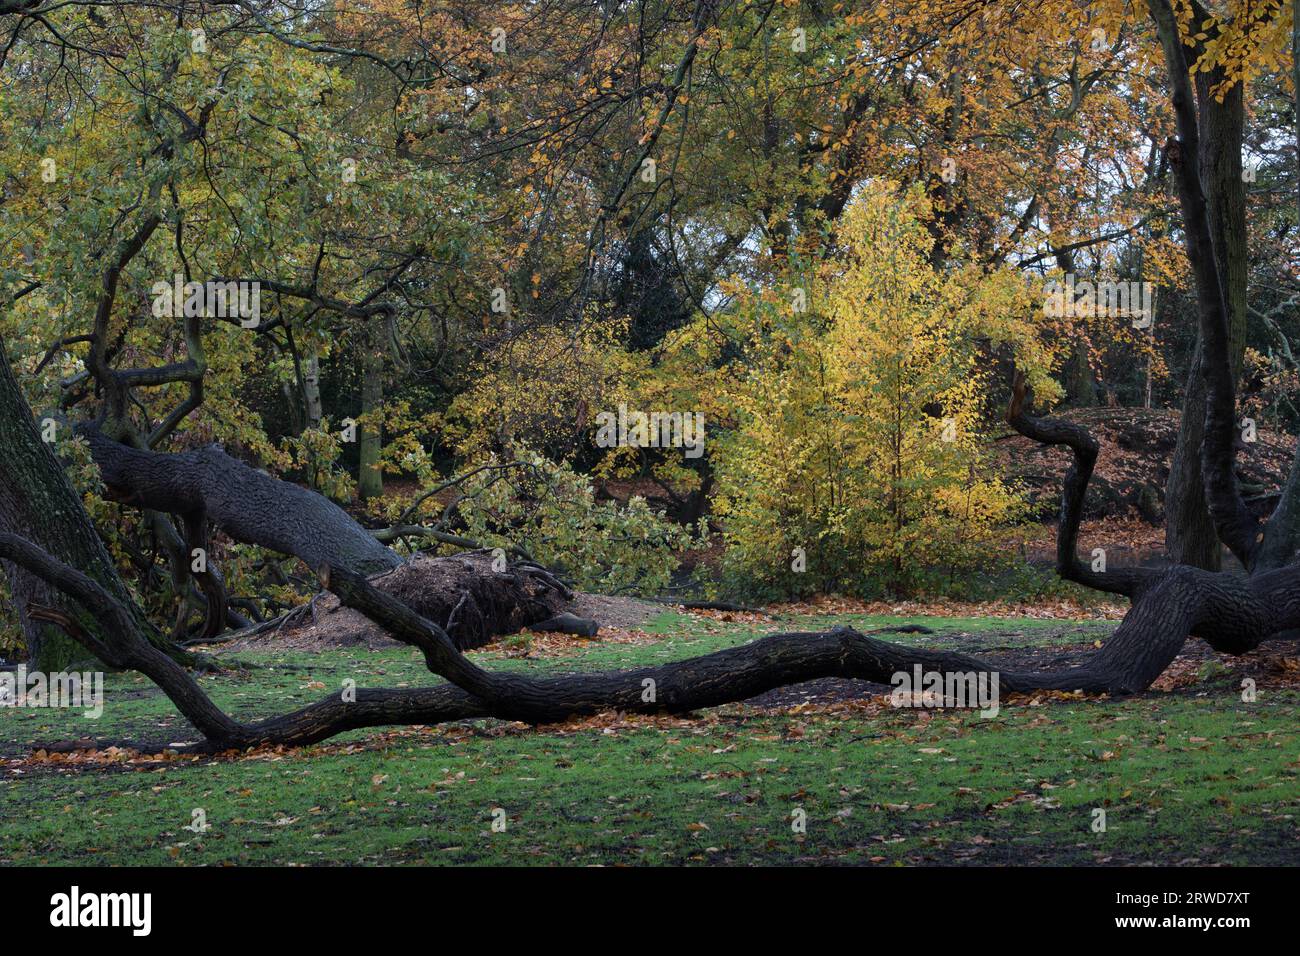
1193, 775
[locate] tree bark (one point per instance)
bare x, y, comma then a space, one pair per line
1190, 535
38, 501
370, 478
247, 504
1205, 238
1282, 533
463, 594
311, 386
1080, 386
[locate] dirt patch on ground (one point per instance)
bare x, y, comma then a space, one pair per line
617, 612
323, 624
547, 645
316, 626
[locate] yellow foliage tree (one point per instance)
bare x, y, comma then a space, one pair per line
856, 463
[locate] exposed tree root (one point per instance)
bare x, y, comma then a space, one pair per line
462, 594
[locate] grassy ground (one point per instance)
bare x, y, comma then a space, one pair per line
1190, 774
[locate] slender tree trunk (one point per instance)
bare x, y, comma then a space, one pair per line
1282, 533
370, 479
1190, 537
311, 385
1080, 387
297, 420
1080, 384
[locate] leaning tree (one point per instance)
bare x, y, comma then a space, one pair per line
1233, 612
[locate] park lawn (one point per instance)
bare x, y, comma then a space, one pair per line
1189, 775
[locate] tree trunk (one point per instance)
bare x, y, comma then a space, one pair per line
38, 502
1168, 606
1080, 386
1190, 536
463, 594
247, 504
311, 386
1282, 533
370, 478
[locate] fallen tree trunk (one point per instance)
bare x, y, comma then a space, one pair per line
1170, 605
247, 504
